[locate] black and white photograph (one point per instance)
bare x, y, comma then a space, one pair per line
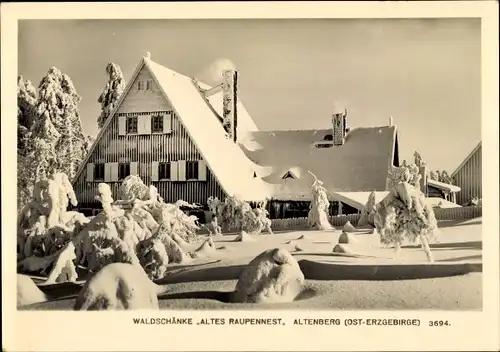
250, 164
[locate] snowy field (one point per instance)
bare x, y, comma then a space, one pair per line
370, 277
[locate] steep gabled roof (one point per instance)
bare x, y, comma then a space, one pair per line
361, 164
232, 169
467, 158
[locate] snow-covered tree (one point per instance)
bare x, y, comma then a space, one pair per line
26, 112
409, 172
41, 161
445, 177
111, 93
58, 100
26, 116
418, 159
433, 175
318, 214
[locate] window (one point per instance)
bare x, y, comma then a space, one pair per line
132, 124
157, 124
328, 137
164, 171
123, 171
192, 170
98, 172
149, 85
140, 85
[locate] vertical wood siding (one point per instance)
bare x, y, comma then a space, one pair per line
145, 149
469, 178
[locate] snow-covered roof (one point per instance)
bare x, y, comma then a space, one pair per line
224, 158
443, 186
361, 164
467, 158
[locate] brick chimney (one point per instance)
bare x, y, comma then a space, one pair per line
229, 102
422, 170
339, 122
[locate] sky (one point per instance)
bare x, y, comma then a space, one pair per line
425, 73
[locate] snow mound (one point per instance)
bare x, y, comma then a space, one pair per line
348, 227
206, 250
347, 238
273, 276
342, 248
28, 292
118, 286
243, 237
185, 246
298, 248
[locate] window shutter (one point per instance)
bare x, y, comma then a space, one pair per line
90, 172
202, 170
182, 170
141, 124
133, 168
167, 123
107, 172
174, 171
114, 172
147, 123
154, 171
122, 122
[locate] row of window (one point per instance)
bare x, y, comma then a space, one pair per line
157, 124
175, 171
145, 85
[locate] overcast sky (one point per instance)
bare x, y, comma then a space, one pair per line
424, 73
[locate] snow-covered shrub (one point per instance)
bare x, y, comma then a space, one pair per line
237, 215
404, 214
404, 173
132, 188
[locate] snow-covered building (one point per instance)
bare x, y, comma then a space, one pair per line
193, 141
468, 176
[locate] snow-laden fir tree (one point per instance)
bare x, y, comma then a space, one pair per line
318, 214
58, 100
26, 116
111, 93
41, 161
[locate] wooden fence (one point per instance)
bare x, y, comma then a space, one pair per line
462, 213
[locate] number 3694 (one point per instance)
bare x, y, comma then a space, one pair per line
439, 323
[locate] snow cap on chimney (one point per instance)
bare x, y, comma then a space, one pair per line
148, 55
391, 121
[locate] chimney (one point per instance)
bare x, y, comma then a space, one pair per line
229, 102
339, 121
422, 170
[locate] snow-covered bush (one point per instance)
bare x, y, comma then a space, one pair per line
404, 173
132, 188
237, 215
405, 215
318, 213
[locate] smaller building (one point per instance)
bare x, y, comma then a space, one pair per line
436, 189
468, 176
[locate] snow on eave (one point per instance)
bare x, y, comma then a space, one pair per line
443, 186
467, 159
108, 121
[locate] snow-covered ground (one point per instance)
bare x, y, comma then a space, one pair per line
368, 278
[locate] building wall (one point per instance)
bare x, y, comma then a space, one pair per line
146, 149
469, 178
